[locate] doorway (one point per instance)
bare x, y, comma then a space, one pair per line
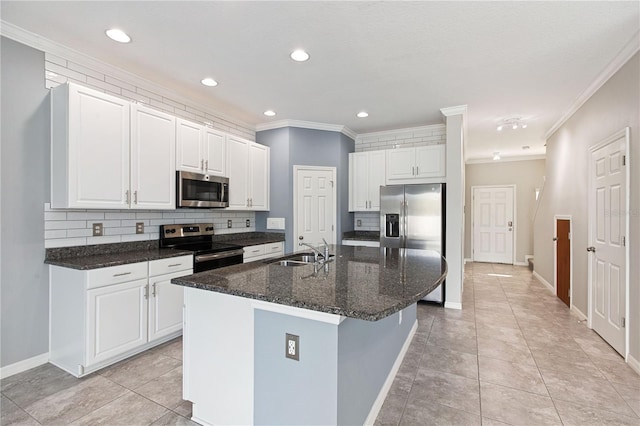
314, 205
493, 224
563, 263
607, 246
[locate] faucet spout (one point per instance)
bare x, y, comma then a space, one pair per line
316, 252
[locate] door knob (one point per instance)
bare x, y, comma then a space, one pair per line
555, 238
301, 237
592, 249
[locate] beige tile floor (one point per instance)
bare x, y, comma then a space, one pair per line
513, 355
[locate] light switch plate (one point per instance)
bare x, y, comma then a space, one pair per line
292, 347
229, 223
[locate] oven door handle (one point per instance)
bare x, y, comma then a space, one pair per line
222, 255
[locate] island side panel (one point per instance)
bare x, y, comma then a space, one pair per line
218, 357
367, 352
295, 392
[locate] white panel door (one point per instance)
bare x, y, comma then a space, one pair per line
493, 228
98, 149
238, 172
189, 155
215, 148
315, 206
258, 177
607, 197
153, 172
116, 320
165, 305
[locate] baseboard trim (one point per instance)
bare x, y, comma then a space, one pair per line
468, 260
520, 263
24, 365
527, 257
543, 281
453, 305
578, 312
382, 395
633, 363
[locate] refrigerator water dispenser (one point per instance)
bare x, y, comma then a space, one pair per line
392, 228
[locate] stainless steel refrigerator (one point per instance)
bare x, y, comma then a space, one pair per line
413, 216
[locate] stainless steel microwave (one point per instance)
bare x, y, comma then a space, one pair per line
201, 191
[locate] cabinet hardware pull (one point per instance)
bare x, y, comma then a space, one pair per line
202, 164
126, 194
146, 291
174, 265
135, 197
251, 202
413, 171
206, 165
247, 202
417, 170
121, 274
154, 290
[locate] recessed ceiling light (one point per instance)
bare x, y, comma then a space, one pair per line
269, 113
362, 114
525, 147
209, 82
118, 35
299, 55
496, 155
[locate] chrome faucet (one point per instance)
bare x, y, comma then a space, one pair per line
316, 252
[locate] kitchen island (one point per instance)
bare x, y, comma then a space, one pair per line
354, 318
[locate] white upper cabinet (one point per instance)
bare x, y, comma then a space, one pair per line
109, 154
89, 149
153, 141
200, 149
423, 164
248, 172
366, 175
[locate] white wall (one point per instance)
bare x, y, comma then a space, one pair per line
613, 107
527, 176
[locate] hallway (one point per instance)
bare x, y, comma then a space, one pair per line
513, 355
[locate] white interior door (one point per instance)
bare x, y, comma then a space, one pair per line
493, 224
315, 205
607, 230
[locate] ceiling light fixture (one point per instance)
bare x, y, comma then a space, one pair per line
362, 114
269, 113
118, 35
525, 147
496, 155
209, 82
513, 122
299, 55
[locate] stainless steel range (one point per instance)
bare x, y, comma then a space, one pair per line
197, 237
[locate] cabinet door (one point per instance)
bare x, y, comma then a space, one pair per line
430, 161
153, 172
359, 177
400, 164
238, 172
116, 320
259, 177
215, 145
98, 163
165, 305
376, 171
189, 155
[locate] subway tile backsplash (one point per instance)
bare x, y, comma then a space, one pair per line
65, 228
404, 138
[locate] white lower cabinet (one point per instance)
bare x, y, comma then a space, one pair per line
263, 251
101, 316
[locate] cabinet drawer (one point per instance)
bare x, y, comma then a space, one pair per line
273, 249
253, 252
116, 274
170, 265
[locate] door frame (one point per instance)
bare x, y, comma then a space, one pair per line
555, 256
334, 193
625, 132
515, 218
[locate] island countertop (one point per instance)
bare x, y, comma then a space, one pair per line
367, 283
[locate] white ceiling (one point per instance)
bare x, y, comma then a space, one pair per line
400, 61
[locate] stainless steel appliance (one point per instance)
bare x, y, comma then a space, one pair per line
197, 238
201, 191
413, 216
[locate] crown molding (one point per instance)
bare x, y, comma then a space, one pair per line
455, 110
395, 131
43, 44
307, 125
505, 159
628, 50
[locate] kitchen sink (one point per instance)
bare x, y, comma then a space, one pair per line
296, 259
290, 263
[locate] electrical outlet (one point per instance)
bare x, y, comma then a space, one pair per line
139, 227
97, 229
229, 223
248, 223
292, 347
359, 222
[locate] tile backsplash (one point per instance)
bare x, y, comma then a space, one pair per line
65, 228
368, 221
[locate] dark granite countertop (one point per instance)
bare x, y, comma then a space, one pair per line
361, 235
247, 239
367, 283
96, 261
